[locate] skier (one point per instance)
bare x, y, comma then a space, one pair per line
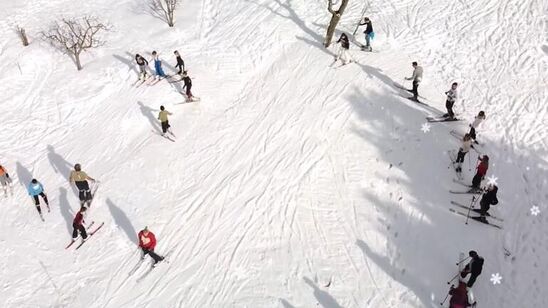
80, 178
78, 225
481, 170
188, 86
473, 268
147, 242
5, 180
477, 121
158, 66
143, 63
369, 34
180, 62
416, 77
162, 116
451, 98
464, 148
459, 296
487, 199
36, 189
345, 45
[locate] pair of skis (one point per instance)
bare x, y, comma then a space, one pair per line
472, 189
150, 269
453, 160
476, 210
441, 119
90, 234
10, 184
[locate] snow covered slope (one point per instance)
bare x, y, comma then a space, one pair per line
291, 183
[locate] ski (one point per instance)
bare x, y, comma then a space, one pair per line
476, 218
72, 241
459, 136
153, 266
415, 100
437, 120
475, 192
164, 135
476, 210
90, 235
136, 267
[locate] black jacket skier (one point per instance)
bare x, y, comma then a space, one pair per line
473, 268
180, 62
489, 198
368, 33
344, 41
188, 85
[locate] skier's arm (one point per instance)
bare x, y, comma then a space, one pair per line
90, 178
413, 76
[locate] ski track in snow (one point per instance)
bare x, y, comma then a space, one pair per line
290, 184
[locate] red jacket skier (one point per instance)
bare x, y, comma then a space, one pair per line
481, 171
459, 296
147, 242
78, 225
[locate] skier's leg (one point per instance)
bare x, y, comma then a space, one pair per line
415, 90
39, 209
476, 181
450, 110
367, 41
44, 197
165, 126
36, 201
74, 231
471, 281
154, 256
83, 232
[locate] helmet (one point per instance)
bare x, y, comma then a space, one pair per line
77, 167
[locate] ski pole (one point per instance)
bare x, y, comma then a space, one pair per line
463, 260
453, 278
469, 209
446, 296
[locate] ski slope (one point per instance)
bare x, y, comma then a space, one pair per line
291, 183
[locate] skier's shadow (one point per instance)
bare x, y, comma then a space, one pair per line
129, 62
60, 165
324, 298
286, 304
121, 219
65, 209
149, 114
23, 174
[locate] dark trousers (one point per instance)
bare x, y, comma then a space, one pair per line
37, 202
472, 279
449, 107
84, 193
460, 156
484, 208
188, 93
152, 254
181, 68
472, 133
79, 228
165, 126
476, 181
415, 90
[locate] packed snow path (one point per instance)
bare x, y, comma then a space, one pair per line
292, 183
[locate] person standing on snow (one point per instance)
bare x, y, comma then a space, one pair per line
343, 50
481, 171
80, 178
188, 85
78, 225
473, 268
477, 121
162, 116
180, 62
147, 243
5, 180
464, 148
451, 98
417, 78
487, 199
36, 189
158, 66
143, 63
369, 34
459, 296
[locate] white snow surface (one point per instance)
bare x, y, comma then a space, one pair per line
291, 183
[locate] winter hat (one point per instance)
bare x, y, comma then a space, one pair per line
472, 253
77, 167
34, 181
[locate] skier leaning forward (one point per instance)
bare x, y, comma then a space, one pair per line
80, 178
343, 49
147, 243
78, 225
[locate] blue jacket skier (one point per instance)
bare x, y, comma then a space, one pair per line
158, 65
36, 189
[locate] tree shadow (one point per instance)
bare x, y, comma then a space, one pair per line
121, 219
65, 209
285, 303
317, 39
324, 298
149, 114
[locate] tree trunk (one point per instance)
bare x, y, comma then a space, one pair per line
77, 61
335, 17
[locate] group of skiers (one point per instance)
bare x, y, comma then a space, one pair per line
159, 73
35, 189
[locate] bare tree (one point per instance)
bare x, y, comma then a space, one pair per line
164, 9
76, 35
335, 17
23, 36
